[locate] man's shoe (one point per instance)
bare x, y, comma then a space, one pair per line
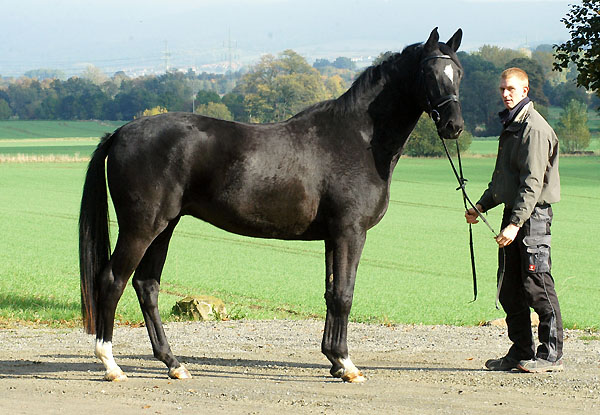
540, 366
504, 364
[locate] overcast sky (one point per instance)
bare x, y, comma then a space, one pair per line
110, 34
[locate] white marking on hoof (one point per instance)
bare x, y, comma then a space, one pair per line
349, 372
103, 351
354, 377
180, 373
115, 375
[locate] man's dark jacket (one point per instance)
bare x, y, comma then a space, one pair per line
526, 172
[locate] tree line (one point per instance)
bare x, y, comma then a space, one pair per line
278, 87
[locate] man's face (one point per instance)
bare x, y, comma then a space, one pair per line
513, 90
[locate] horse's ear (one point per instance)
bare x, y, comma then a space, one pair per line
432, 42
454, 41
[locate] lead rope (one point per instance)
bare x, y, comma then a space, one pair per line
461, 187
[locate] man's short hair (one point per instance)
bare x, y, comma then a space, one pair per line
517, 73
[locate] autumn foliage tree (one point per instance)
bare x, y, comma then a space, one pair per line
583, 49
277, 88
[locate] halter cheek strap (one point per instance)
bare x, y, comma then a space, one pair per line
434, 105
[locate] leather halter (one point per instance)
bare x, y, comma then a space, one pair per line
434, 105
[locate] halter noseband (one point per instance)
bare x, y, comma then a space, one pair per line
433, 106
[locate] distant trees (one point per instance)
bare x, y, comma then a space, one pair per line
499, 56
41, 74
274, 89
425, 142
583, 49
204, 97
153, 111
479, 94
340, 62
5, 111
572, 129
277, 88
215, 110
536, 79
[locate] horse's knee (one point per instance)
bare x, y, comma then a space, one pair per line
340, 304
147, 291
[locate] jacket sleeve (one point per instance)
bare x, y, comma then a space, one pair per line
486, 200
532, 161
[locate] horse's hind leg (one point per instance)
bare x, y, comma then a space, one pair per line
111, 283
341, 258
146, 282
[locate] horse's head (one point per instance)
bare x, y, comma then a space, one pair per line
441, 73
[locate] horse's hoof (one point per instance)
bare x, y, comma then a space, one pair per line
337, 372
180, 373
354, 377
115, 375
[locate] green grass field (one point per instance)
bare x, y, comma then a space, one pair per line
415, 266
55, 129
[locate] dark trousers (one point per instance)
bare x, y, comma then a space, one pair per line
526, 283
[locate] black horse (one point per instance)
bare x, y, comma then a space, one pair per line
324, 174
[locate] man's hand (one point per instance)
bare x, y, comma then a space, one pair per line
471, 215
507, 236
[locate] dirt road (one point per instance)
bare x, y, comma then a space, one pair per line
275, 367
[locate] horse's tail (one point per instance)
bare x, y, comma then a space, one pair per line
94, 238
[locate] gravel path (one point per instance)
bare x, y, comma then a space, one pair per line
275, 367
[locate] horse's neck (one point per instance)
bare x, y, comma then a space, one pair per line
393, 121
391, 106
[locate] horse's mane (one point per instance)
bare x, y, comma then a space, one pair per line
375, 74
371, 76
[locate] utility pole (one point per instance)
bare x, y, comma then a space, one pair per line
166, 57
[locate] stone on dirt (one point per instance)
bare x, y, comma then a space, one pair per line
501, 322
201, 308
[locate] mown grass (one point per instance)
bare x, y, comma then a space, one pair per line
55, 129
415, 266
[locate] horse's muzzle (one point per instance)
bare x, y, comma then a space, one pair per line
451, 130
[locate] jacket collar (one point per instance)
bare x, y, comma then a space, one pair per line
520, 118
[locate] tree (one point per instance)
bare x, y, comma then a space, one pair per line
561, 94
94, 75
498, 56
335, 86
583, 22
277, 88
536, 79
344, 63
5, 111
479, 95
235, 105
41, 74
215, 110
321, 64
203, 97
572, 129
153, 111
25, 96
424, 140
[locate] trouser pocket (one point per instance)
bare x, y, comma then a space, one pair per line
537, 240
537, 252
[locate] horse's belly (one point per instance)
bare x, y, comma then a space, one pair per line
284, 212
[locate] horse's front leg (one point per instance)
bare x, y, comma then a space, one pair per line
341, 258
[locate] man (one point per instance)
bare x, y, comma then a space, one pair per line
526, 181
